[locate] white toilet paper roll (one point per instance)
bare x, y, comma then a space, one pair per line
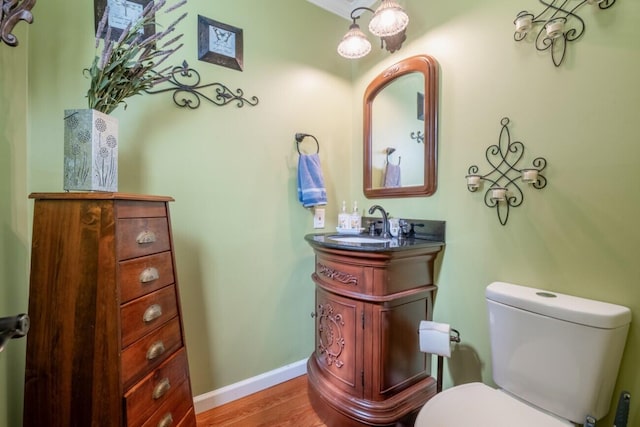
435, 338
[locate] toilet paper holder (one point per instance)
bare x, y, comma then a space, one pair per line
454, 336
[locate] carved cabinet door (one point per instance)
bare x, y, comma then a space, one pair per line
339, 340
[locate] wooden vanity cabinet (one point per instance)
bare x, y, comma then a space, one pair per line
367, 367
106, 345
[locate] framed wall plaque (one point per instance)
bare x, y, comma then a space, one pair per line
219, 43
420, 107
121, 14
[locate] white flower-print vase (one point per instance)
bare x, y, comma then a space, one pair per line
90, 151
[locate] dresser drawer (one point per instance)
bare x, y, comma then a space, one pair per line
153, 390
150, 351
142, 315
173, 410
139, 276
189, 420
141, 236
140, 209
345, 277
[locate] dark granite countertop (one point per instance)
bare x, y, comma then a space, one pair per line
325, 240
426, 234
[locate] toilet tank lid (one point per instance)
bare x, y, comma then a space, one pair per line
569, 308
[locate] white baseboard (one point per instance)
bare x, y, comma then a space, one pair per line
232, 392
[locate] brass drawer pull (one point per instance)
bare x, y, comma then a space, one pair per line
163, 386
149, 275
155, 350
146, 237
166, 421
152, 313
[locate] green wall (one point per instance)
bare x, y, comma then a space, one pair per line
14, 236
242, 263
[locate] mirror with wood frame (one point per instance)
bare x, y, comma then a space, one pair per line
400, 130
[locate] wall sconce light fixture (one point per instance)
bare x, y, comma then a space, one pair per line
389, 22
11, 12
504, 192
558, 25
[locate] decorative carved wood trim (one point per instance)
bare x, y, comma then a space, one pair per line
392, 70
11, 13
331, 341
339, 276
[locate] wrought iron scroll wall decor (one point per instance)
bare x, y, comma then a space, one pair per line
559, 24
11, 13
418, 136
187, 90
504, 192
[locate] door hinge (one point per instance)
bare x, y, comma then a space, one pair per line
362, 317
362, 377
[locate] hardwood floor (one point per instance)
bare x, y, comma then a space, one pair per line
286, 404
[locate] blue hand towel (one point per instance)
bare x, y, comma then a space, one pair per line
311, 189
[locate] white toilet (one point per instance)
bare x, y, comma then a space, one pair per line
555, 358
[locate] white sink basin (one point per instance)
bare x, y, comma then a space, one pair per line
359, 239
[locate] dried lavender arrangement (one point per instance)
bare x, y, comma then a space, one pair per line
129, 65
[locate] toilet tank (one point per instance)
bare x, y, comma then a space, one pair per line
558, 352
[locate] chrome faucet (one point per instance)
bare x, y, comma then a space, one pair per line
385, 220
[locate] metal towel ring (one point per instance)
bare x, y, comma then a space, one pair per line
390, 150
301, 136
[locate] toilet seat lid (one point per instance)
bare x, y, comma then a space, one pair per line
478, 405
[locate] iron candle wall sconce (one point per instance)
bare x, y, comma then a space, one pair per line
558, 23
504, 192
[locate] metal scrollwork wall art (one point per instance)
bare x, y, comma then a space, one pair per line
11, 13
418, 136
187, 90
558, 25
504, 192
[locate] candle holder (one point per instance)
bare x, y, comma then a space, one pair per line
529, 175
473, 182
504, 193
499, 194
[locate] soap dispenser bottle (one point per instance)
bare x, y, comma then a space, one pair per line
344, 219
356, 219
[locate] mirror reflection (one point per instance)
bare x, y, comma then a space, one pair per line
400, 130
397, 158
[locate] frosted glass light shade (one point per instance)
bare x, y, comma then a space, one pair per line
354, 44
388, 19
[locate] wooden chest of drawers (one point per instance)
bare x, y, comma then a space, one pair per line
106, 345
